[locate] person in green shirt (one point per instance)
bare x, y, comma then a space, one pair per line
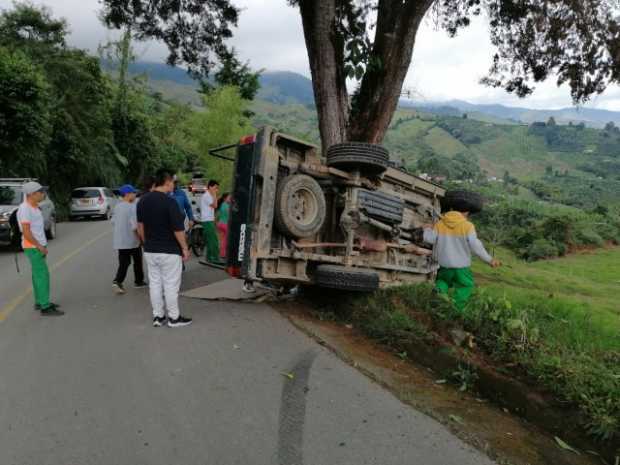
223, 214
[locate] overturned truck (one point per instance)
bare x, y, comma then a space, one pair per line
350, 220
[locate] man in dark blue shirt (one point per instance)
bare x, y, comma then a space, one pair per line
161, 228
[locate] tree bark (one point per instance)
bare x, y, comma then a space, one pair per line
326, 55
397, 26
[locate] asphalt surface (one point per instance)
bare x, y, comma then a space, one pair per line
240, 386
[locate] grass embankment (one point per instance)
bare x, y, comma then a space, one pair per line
554, 324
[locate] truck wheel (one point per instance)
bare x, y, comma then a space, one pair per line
462, 201
300, 208
358, 156
347, 279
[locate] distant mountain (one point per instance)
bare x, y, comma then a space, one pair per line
590, 116
157, 72
285, 87
281, 87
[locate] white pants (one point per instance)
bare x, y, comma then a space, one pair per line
164, 281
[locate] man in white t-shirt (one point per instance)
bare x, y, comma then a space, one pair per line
208, 205
34, 243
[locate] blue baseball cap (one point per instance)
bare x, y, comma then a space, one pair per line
127, 189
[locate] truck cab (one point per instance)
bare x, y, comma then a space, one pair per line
348, 220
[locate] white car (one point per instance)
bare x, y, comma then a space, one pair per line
11, 196
89, 202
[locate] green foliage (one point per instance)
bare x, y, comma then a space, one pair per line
63, 120
223, 122
556, 324
25, 121
234, 73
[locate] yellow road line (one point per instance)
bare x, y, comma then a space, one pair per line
17, 301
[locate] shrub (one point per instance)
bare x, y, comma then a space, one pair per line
539, 249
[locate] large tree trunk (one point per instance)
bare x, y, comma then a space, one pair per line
397, 27
326, 54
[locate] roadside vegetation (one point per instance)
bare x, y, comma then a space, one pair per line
553, 324
69, 121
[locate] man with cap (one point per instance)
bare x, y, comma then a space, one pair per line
126, 240
34, 243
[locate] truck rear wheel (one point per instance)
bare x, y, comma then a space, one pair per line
346, 279
358, 156
300, 208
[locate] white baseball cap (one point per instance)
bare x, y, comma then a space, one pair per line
31, 187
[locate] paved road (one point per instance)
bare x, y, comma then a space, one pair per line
102, 386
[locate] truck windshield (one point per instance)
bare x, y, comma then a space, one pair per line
10, 195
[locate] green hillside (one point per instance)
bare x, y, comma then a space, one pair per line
526, 152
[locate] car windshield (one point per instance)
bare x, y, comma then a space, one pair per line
10, 195
85, 194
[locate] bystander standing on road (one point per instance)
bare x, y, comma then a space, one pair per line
34, 243
184, 204
161, 228
126, 240
223, 214
208, 205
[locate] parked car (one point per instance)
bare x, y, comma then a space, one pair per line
89, 202
11, 196
349, 220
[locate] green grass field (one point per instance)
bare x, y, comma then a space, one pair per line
584, 286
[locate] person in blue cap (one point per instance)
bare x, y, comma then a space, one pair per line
126, 240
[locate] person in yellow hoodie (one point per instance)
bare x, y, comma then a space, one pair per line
454, 238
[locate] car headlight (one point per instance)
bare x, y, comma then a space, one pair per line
4, 216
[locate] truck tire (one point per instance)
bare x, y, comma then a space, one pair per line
461, 200
300, 208
346, 279
358, 156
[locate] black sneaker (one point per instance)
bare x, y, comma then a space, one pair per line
52, 310
37, 307
141, 285
180, 321
118, 288
159, 321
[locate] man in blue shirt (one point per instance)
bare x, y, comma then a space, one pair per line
184, 204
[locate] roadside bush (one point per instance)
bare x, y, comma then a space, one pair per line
552, 343
540, 249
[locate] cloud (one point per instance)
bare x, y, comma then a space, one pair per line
270, 36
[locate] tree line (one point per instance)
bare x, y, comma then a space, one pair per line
66, 121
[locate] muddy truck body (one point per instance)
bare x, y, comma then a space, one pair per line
350, 220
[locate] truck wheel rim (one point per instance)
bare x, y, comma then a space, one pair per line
304, 206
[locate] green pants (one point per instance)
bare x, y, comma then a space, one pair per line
461, 279
40, 277
212, 243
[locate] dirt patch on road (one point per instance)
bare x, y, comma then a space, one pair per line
503, 436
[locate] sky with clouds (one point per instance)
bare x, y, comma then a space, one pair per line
270, 36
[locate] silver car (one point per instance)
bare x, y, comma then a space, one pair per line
11, 196
89, 202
